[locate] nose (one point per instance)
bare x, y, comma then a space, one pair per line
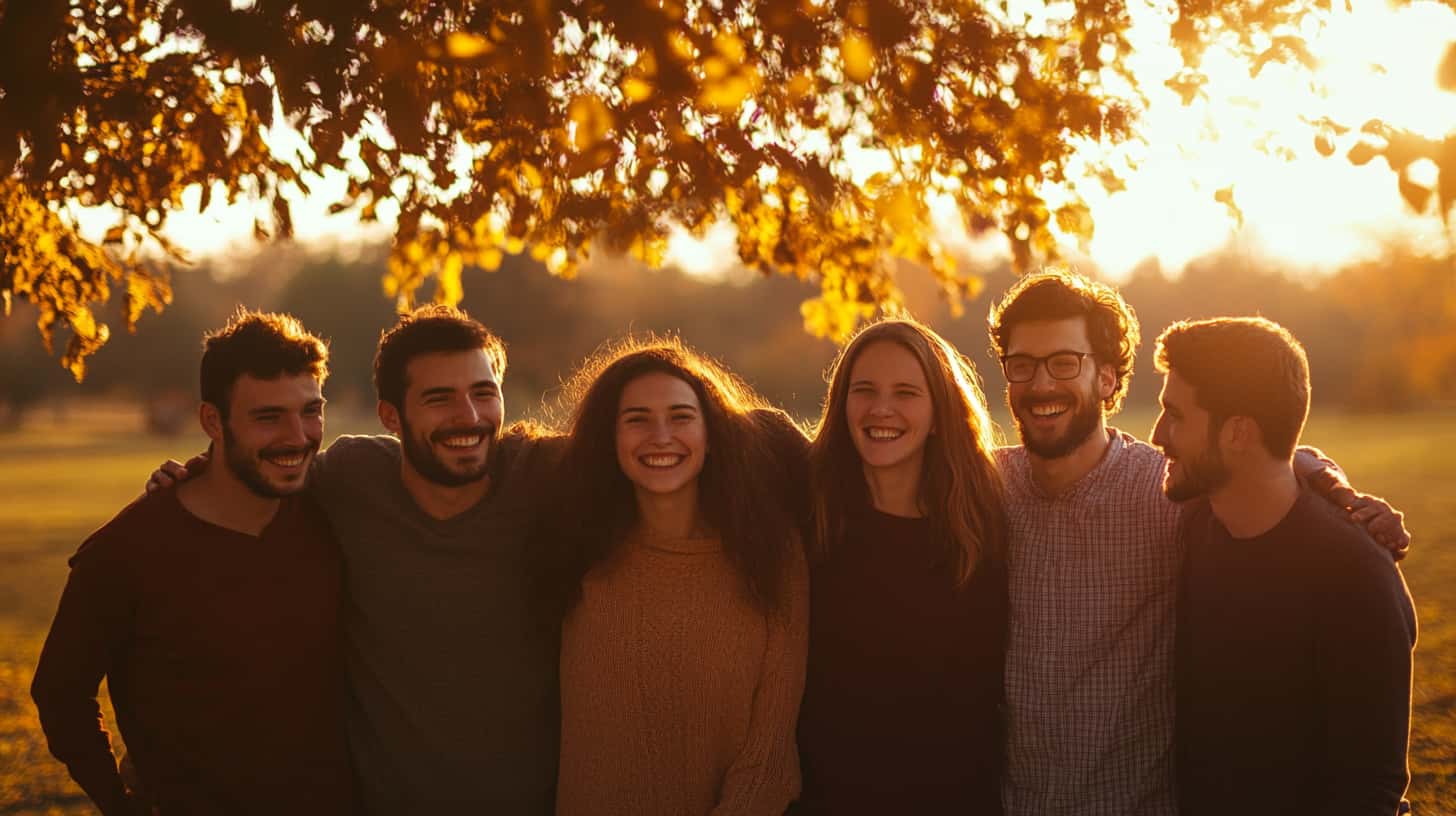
1159, 437
1041, 378
469, 412
661, 432
294, 429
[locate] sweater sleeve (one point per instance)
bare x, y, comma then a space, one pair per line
764, 778
1365, 662
90, 627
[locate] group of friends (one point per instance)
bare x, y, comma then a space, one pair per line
685, 605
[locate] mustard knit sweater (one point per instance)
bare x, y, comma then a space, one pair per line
679, 696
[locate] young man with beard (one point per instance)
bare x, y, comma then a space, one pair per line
212, 611
452, 676
1295, 629
1093, 561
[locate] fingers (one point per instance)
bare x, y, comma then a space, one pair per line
170, 473
195, 465
1343, 495
1384, 523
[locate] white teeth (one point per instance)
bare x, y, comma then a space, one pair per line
883, 433
287, 461
462, 441
1052, 409
662, 459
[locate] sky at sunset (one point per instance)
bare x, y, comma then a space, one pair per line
1304, 210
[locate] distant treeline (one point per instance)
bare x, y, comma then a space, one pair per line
1381, 335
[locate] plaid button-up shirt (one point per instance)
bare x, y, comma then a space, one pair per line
1089, 668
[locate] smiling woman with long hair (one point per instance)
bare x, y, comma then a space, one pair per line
677, 574
901, 712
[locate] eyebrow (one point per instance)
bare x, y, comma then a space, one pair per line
902, 384
640, 409
446, 389
279, 409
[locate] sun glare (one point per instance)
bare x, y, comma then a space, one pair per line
1253, 138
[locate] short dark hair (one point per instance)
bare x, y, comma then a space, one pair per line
426, 330
1112, 325
1242, 366
265, 345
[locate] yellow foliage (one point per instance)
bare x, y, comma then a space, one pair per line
636, 89
462, 46
592, 120
858, 56
583, 121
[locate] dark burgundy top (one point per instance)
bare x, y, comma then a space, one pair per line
221, 653
902, 703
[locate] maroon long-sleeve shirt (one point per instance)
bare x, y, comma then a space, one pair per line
221, 652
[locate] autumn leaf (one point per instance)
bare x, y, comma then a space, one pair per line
1225, 196
858, 56
1446, 73
1362, 152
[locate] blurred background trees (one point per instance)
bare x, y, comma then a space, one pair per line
1381, 334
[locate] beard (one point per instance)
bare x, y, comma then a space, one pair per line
421, 454
1086, 414
246, 464
1201, 476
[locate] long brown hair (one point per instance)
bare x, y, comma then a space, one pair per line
595, 506
960, 486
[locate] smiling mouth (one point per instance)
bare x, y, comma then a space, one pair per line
662, 460
287, 458
1048, 410
883, 434
462, 439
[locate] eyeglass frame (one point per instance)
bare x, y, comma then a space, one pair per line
1043, 362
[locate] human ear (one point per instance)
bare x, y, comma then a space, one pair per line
1106, 379
389, 417
211, 421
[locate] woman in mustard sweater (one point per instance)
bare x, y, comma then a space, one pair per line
682, 593
901, 712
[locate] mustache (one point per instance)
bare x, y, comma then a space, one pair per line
1033, 400
485, 429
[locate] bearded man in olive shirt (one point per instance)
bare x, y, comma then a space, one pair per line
1295, 629
212, 611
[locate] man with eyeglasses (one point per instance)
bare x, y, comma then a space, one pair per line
1094, 560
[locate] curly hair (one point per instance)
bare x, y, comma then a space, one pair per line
739, 489
1112, 325
265, 345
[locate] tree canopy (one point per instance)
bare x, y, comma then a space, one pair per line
565, 126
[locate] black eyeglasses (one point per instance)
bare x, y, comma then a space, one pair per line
1062, 365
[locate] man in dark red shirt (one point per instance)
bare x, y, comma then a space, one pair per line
212, 611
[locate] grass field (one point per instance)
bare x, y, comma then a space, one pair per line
62, 477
